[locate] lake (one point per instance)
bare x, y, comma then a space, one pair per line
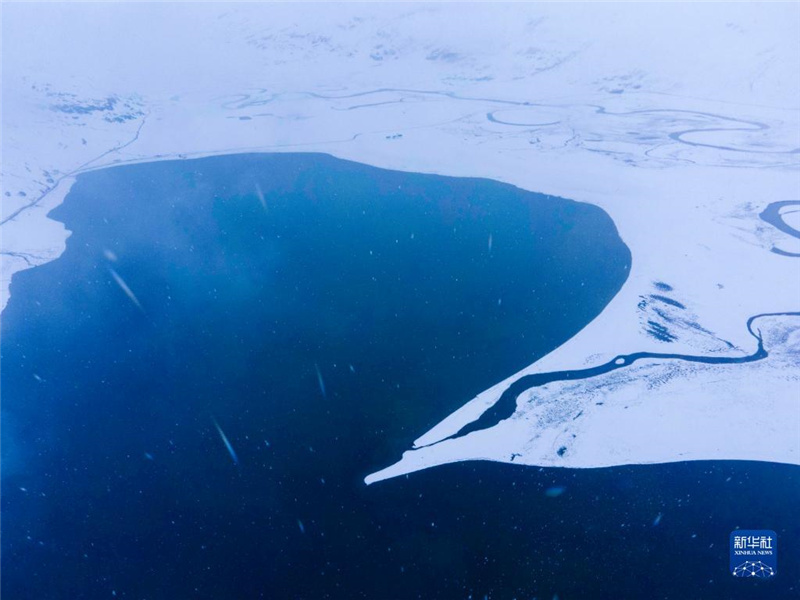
194, 391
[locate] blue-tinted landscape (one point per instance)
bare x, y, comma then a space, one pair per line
395, 301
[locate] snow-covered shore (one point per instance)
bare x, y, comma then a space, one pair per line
681, 121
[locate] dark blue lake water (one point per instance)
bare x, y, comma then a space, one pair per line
324, 314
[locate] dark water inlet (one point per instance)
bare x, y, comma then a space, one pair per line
506, 405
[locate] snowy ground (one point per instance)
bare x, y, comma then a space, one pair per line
681, 121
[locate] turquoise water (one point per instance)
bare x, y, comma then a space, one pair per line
194, 391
